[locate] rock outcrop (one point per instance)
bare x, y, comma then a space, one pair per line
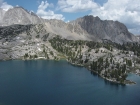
84, 28
107, 29
18, 15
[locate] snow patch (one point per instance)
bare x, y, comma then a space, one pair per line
39, 49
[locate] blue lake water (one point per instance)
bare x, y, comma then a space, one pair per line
44, 82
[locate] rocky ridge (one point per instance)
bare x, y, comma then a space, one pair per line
87, 41
84, 28
18, 15
105, 29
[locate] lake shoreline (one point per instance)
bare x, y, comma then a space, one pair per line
126, 82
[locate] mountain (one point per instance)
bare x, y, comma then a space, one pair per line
17, 40
84, 28
18, 15
67, 30
87, 41
2, 12
107, 29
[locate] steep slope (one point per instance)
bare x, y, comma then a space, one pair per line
19, 15
85, 28
2, 12
16, 41
27, 32
66, 30
111, 30
24, 35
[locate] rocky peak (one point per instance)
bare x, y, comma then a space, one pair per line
19, 15
87, 27
105, 29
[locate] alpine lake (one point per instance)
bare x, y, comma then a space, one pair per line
46, 82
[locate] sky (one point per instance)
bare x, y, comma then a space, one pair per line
125, 11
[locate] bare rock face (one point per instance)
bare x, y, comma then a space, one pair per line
10, 32
66, 30
111, 30
23, 32
19, 15
2, 12
85, 28
18, 40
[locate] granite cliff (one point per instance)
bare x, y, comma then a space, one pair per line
84, 28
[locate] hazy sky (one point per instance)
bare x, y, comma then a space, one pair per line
125, 11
